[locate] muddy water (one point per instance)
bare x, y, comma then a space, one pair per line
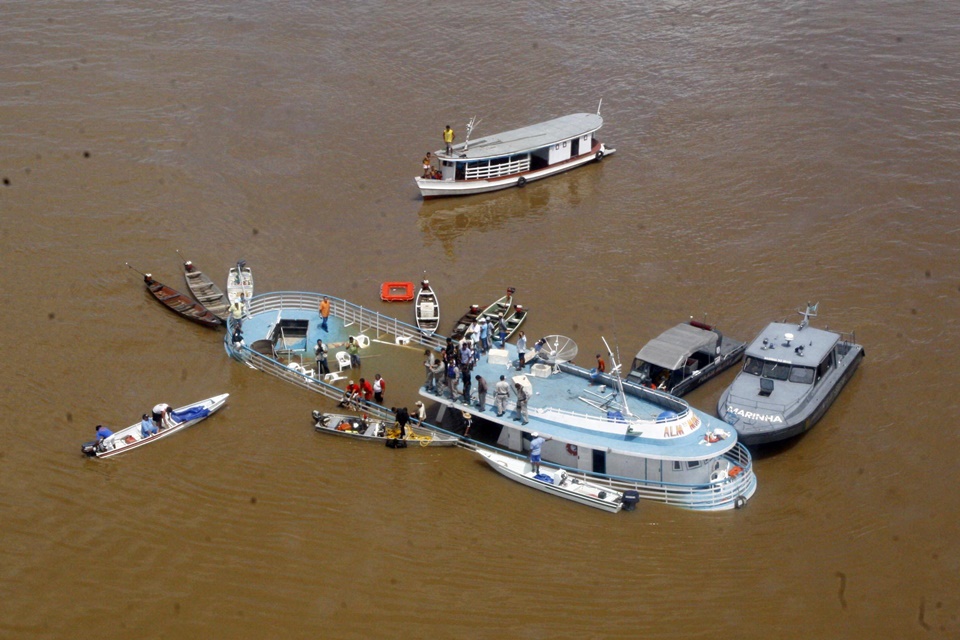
767, 155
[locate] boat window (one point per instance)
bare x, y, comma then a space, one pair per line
775, 370
693, 464
802, 375
677, 465
824, 366
753, 366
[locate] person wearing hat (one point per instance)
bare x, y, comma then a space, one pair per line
419, 414
536, 446
467, 423
522, 399
484, 334
351, 396
501, 393
147, 428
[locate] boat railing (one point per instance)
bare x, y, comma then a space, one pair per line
712, 496
490, 169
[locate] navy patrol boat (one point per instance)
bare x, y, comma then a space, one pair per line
514, 158
791, 376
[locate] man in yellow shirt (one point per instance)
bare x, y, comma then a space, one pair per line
448, 136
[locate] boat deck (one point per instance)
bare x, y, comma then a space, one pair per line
561, 396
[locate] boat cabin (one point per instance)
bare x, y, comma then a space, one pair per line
674, 355
521, 150
803, 358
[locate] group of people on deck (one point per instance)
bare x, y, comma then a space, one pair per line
429, 171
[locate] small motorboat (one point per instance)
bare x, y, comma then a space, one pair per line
554, 481
205, 291
684, 357
364, 427
131, 437
427, 309
396, 291
240, 283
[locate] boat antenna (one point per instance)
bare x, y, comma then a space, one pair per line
616, 374
470, 127
598, 106
811, 312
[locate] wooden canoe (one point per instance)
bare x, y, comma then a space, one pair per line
205, 291
491, 313
181, 304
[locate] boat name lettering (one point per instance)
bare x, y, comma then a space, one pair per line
750, 415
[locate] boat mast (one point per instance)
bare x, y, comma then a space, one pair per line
811, 312
470, 127
599, 105
616, 374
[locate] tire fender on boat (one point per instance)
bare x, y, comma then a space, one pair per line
572, 449
599, 155
521, 181
740, 502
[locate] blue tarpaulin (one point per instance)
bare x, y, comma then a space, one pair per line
542, 477
190, 414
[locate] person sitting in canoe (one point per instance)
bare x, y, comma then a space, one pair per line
147, 428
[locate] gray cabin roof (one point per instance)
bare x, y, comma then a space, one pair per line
816, 343
528, 138
671, 348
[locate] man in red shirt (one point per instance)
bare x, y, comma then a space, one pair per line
366, 390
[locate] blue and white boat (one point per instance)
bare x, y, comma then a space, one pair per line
514, 158
620, 434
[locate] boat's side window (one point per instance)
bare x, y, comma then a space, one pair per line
825, 366
802, 375
753, 366
693, 464
677, 465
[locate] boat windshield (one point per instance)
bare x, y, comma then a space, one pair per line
775, 370
753, 366
802, 375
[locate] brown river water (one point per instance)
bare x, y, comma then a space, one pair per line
768, 154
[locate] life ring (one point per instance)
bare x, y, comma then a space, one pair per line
572, 449
740, 502
599, 155
735, 471
521, 181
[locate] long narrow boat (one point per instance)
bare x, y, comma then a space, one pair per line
514, 158
131, 437
556, 482
239, 283
491, 313
373, 429
181, 304
427, 309
205, 291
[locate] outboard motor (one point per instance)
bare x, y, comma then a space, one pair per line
320, 419
630, 499
89, 448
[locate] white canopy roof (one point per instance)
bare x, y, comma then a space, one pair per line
671, 348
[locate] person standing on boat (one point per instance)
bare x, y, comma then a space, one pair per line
484, 333
501, 394
428, 165
324, 312
147, 428
502, 329
521, 350
353, 348
467, 423
428, 361
322, 366
536, 447
379, 386
453, 372
522, 399
403, 417
448, 137
481, 393
438, 370
466, 382
161, 416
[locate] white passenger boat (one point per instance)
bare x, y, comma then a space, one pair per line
514, 158
365, 427
240, 283
131, 437
556, 482
619, 434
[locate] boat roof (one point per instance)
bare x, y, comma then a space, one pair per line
672, 347
527, 138
816, 343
